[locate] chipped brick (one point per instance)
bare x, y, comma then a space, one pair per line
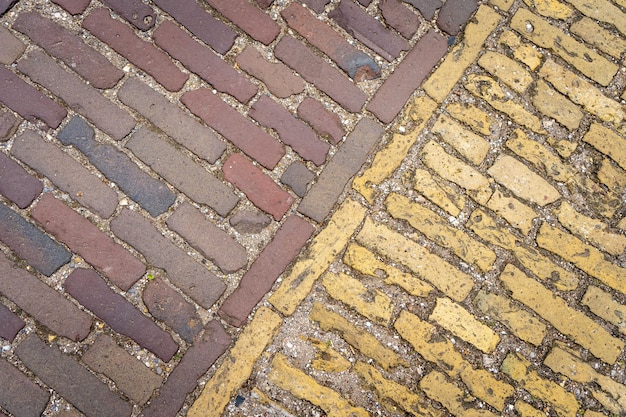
136, 12
253, 21
298, 177
325, 122
278, 78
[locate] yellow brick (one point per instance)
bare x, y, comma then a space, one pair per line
602, 10
477, 119
608, 142
440, 193
392, 245
565, 319
551, 8
467, 143
441, 82
502, 4
612, 176
522, 51
453, 169
301, 385
460, 322
603, 305
510, 72
372, 303
527, 410
439, 230
515, 212
320, 253
585, 59
489, 90
390, 391
328, 359
599, 37
364, 261
360, 339
523, 182
554, 105
518, 368
590, 229
485, 386
390, 157
237, 366
523, 324
584, 256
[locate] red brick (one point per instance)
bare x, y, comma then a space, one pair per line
258, 187
11, 48
233, 126
211, 241
279, 79
135, 12
316, 5
79, 96
368, 30
399, 16
27, 101
327, 123
249, 18
85, 239
291, 131
203, 61
198, 21
8, 124
319, 73
16, 184
272, 261
69, 48
19, 395
297, 177
57, 313
426, 7
73, 6
86, 286
408, 76
454, 14
145, 55
10, 323
357, 64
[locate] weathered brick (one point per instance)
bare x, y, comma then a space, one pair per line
551, 8
477, 119
611, 175
608, 142
604, 39
454, 14
319, 73
5, 5
603, 11
291, 131
181, 171
253, 21
279, 79
130, 375
298, 177
264, 3
248, 221
524, 52
244, 134
212, 242
65, 172
203, 61
19, 395
192, 278
400, 17
507, 70
8, 124
135, 12
426, 7
57, 313
325, 122
16, 184
553, 104
11, 48
470, 145
408, 76
78, 95
144, 54
10, 323
511, 209
70, 379
439, 192
523, 408
602, 304
69, 48
326, 358
316, 5
73, 6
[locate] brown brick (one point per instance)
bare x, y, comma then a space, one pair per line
426, 7
250, 221
10, 323
203, 61
125, 42
272, 261
317, 5
16, 184
135, 12
253, 21
8, 124
325, 122
11, 48
454, 14
19, 395
297, 177
69, 48
73, 6
400, 17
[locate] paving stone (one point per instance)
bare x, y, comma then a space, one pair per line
73, 178
596, 35
264, 3
454, 14
170, 307
511, 209
603, 11
10, 324
507, 70
196, 362
86, 286
8, 124
212, 242
198, 21
298, 177
57, 313
16, 184
439, 192
11, 48
291, 131
69, 48
250, 19
602, 304
356, 63
125, 42
325, 122
73, 6
477, 119
319, 73
606, 141
259, 278
183, 271
233, 126
151, 194
250, 221
340, 169
78, 95
181, 171
553, 104
71, 380
468, 144
522, 51
426, 7
316, 5
72, 412
135, 12
203, 61
400, 17
130, 375
5, 5
19, 395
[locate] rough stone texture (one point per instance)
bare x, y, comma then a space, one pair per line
250, 222
426, 7
400, 17
278, 78
73, 6
11, 47
16, 184
317, 5
10, 323
8, 124
254, 22
135, 12
297, 177
326, 123
454, 14
19, 395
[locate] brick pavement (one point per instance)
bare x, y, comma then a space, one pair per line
345, 208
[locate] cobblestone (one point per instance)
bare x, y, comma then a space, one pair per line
20, 395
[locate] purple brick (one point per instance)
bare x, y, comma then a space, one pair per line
327, 123
291, 131
426, 7
399, 16
71, 380
276, 256
57, 313
264, 3
454, 14
86, 286
297, 177
316, 5
203, 61
144, 54
5, 5
73, 6
16, 184
85, 239
10, 323
69, 48
19, 395
183, 380
249, 18
11, 48
8, 124
135, 12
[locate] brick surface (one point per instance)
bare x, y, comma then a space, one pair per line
135, 12
249, 18
426, 7
250, 221
298, 177
16, 184
11, 47
8, 124
325, 122
454, 14
19, 395
5, 5
400, 17
317, 5
10, 323
123, 40
73, 6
